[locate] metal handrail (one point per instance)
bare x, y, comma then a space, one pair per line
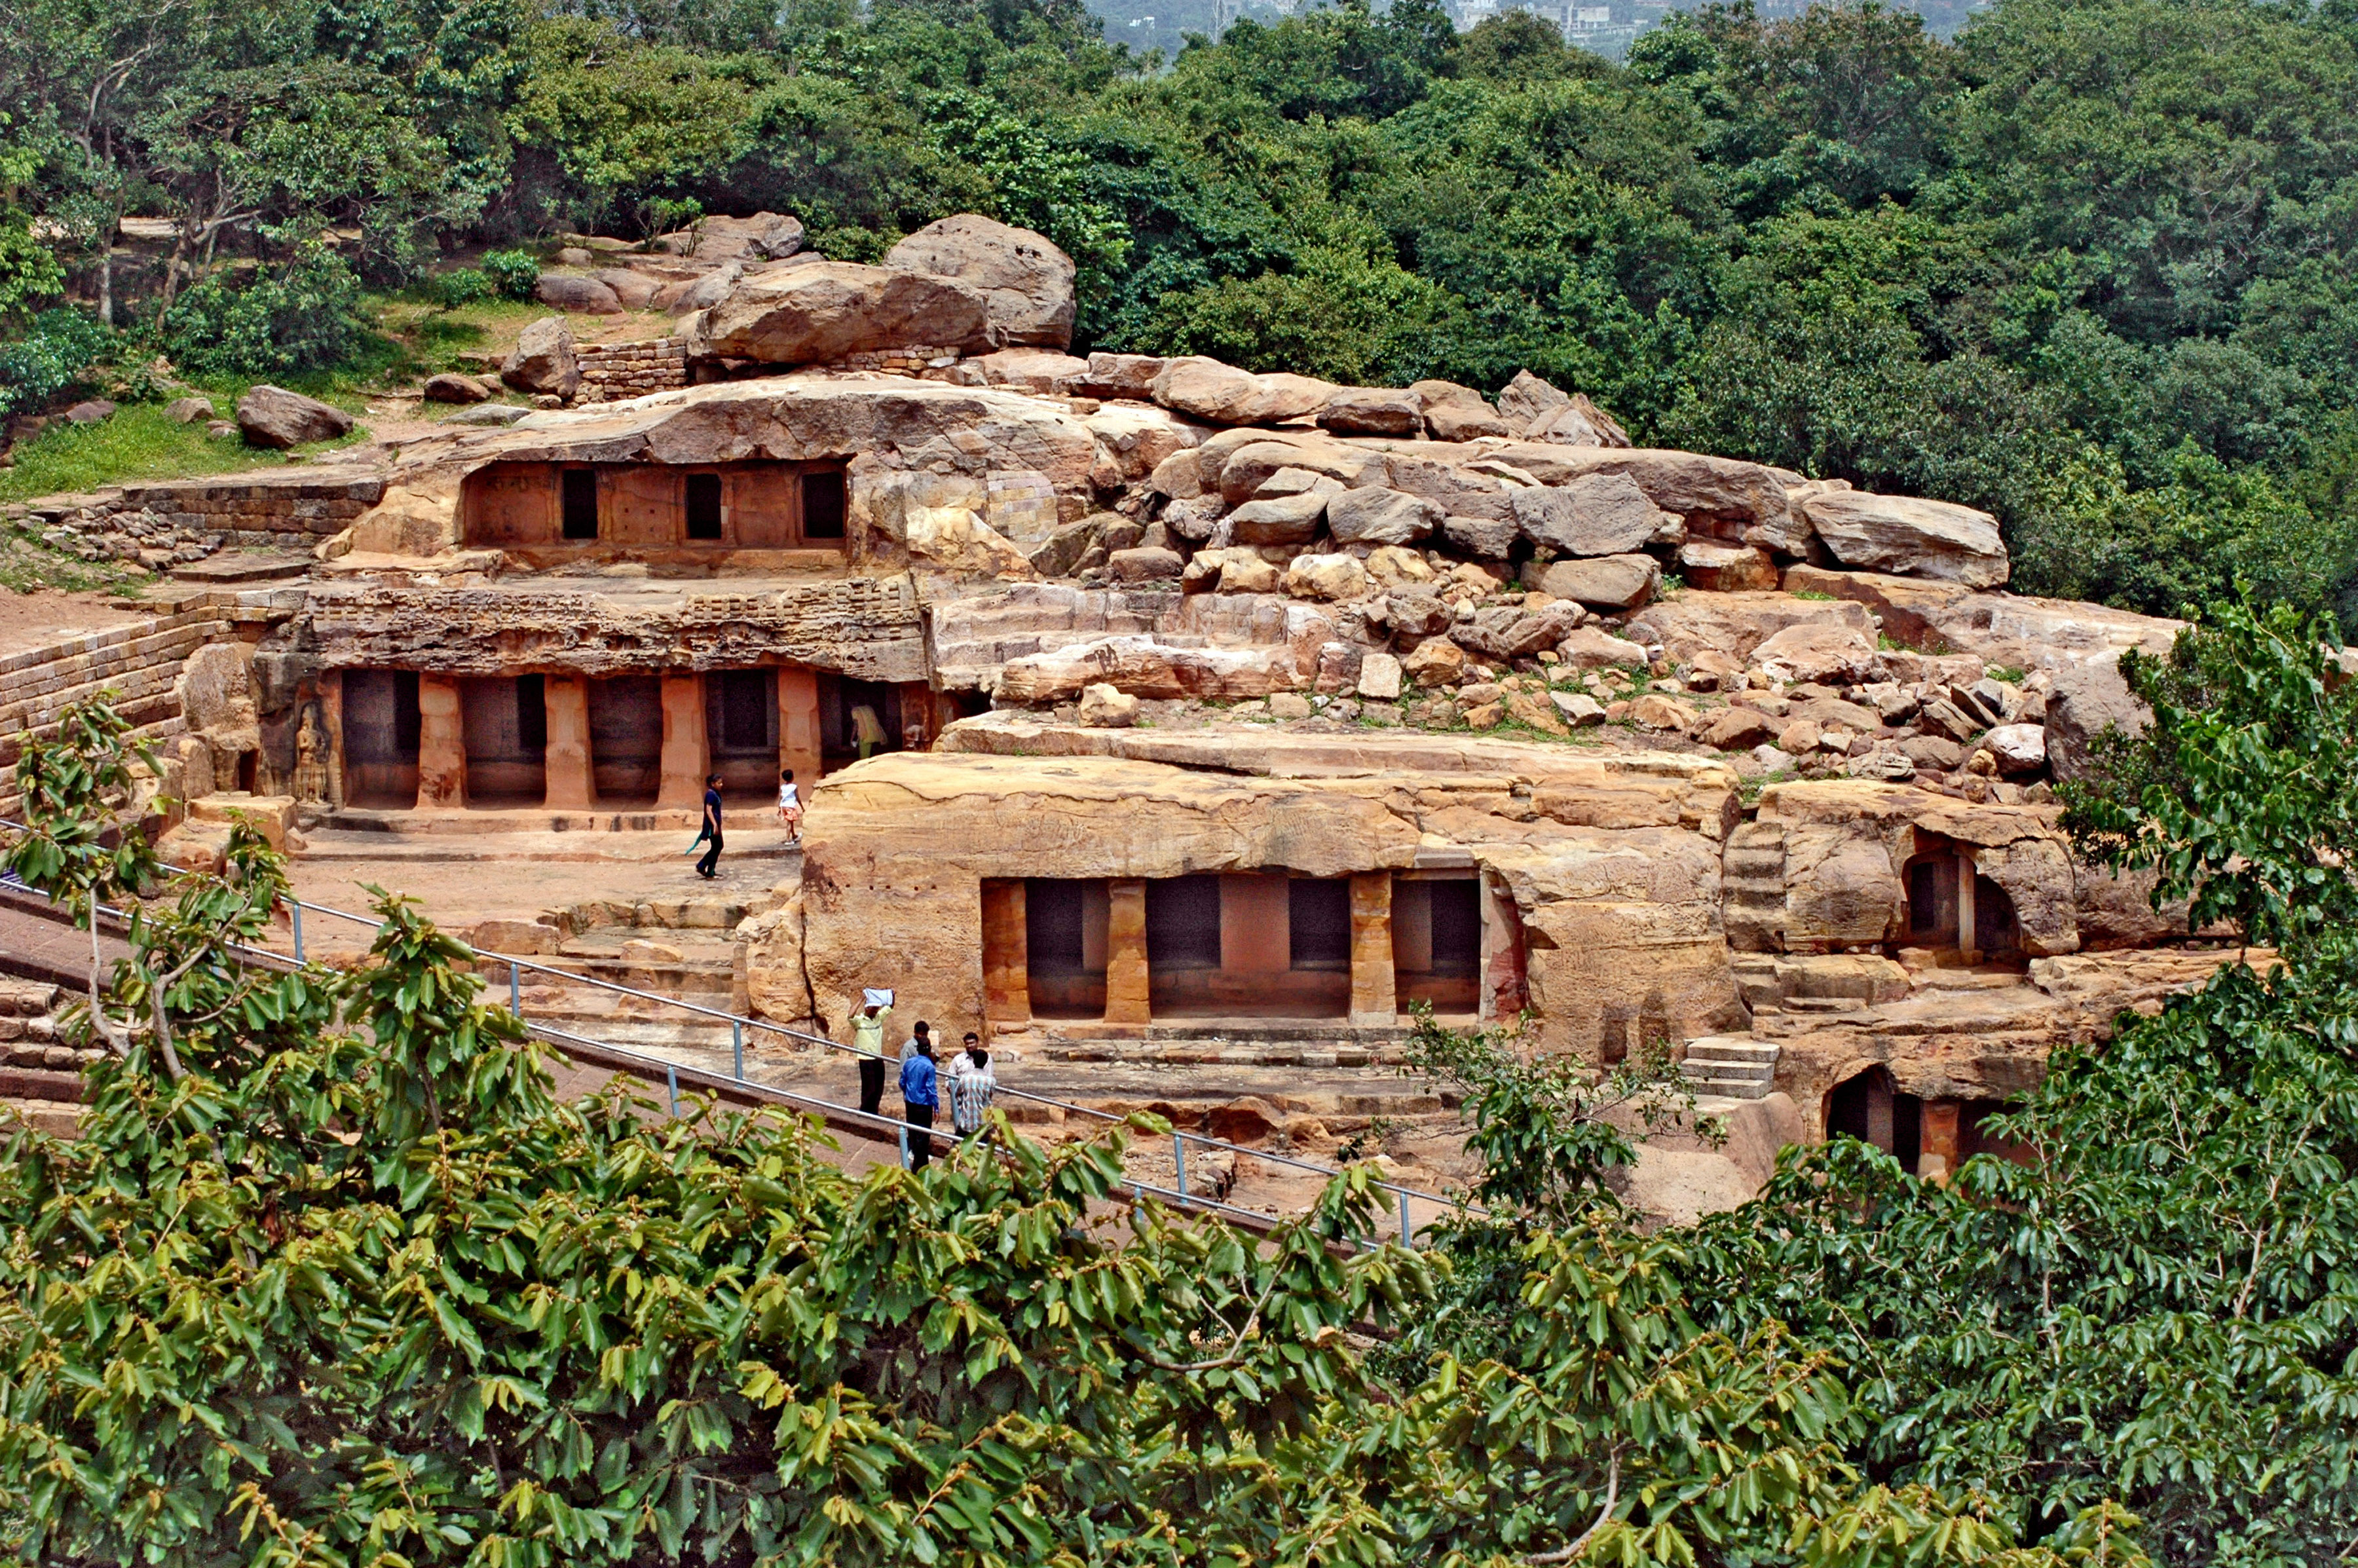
739, 1023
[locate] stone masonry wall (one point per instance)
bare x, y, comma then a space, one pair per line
614, 371
162, 525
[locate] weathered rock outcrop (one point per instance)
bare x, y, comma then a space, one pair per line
1026, 281
274, 417
825, 311
544, 360
764, 236
1915, 537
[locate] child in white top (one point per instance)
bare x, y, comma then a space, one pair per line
790, 805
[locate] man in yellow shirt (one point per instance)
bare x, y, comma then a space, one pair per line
870, 1019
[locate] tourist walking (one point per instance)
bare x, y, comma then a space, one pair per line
710, 867
868, 1026
919, 1098
790, 805
973, 1085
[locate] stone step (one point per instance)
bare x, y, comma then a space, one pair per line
1311, 1054
1737, 1067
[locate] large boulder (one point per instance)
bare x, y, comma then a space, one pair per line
1595, 515
1143, 666
692, 295
1334, 577
1724, 496
1454, 413
1373, 411
829, 310
452, 387
274, 417
1280, 519
1120, 375
940, 521
635, 290
1828, 655
1579, 423
2082, 705
1025, 281
2017, 750
764, 236
1593, 648
1484, 539
1910, 537
1603, 583
1242, 468
1028, 369
544, 360
580, 296
1509, 633
1725, 568
1219, 393
1374, 516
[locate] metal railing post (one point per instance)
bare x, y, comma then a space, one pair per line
1179, 1159
737, 1049
295, 909
904, 1148
671, 1078
515, 989
1408, 1229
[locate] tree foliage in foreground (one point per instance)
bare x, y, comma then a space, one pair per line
332, 1276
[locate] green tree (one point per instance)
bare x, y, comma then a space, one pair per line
331, 1274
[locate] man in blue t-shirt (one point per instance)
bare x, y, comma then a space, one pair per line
919, 1098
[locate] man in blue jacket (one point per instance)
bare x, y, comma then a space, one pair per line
919, 1098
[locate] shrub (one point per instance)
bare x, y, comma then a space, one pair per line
516, 273
49, 358
465, 287
299, 318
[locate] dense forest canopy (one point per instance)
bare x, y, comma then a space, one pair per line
2089, 265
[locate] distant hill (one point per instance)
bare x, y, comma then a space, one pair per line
1144, 24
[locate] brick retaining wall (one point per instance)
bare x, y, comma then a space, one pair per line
141, 661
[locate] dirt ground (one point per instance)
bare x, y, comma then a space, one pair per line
461, 879
35, 620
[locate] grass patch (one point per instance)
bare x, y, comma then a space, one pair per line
2006, 672
137, 444
432, 340
1814, 593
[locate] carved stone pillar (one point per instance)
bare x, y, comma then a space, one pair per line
1372, 1001
687, 753
1968, 942
572, 783
1940, 1149
1006, 957
798, 730
441, 745
1126, 971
